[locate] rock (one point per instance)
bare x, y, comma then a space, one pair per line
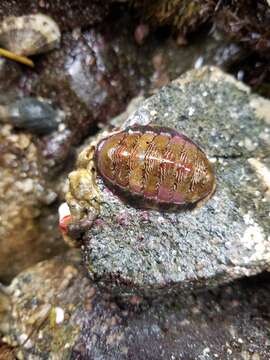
212, 49
32, 115
152, 253
68, 318
90, 78
94, 74
28, 206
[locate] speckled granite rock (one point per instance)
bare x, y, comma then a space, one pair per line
68, 318
150, 252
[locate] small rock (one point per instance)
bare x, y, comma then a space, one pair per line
31, 115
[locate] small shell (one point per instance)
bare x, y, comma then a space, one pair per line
30, 114
30, 34
155, 164
64, 217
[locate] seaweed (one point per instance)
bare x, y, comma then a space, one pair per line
247, 22
183, 15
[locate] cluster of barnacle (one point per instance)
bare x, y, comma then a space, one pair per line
21, 37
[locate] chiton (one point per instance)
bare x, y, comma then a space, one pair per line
157, 164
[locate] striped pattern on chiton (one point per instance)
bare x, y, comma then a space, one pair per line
156, 163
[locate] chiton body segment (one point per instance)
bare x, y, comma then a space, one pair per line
157, 164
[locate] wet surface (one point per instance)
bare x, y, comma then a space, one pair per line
68, 315
110, 52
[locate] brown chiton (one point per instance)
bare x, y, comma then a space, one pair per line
156, 164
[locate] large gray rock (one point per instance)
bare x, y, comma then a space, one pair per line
63, 316
150, 252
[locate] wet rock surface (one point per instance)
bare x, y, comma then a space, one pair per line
68, 317
95, 72
28, 204
69, 14
108, 54
147, 252
90, 78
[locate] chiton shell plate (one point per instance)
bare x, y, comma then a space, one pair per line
156, 164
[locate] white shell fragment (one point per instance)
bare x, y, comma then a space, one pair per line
29, 34
63, 211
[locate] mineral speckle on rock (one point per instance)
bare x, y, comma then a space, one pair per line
134, 251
